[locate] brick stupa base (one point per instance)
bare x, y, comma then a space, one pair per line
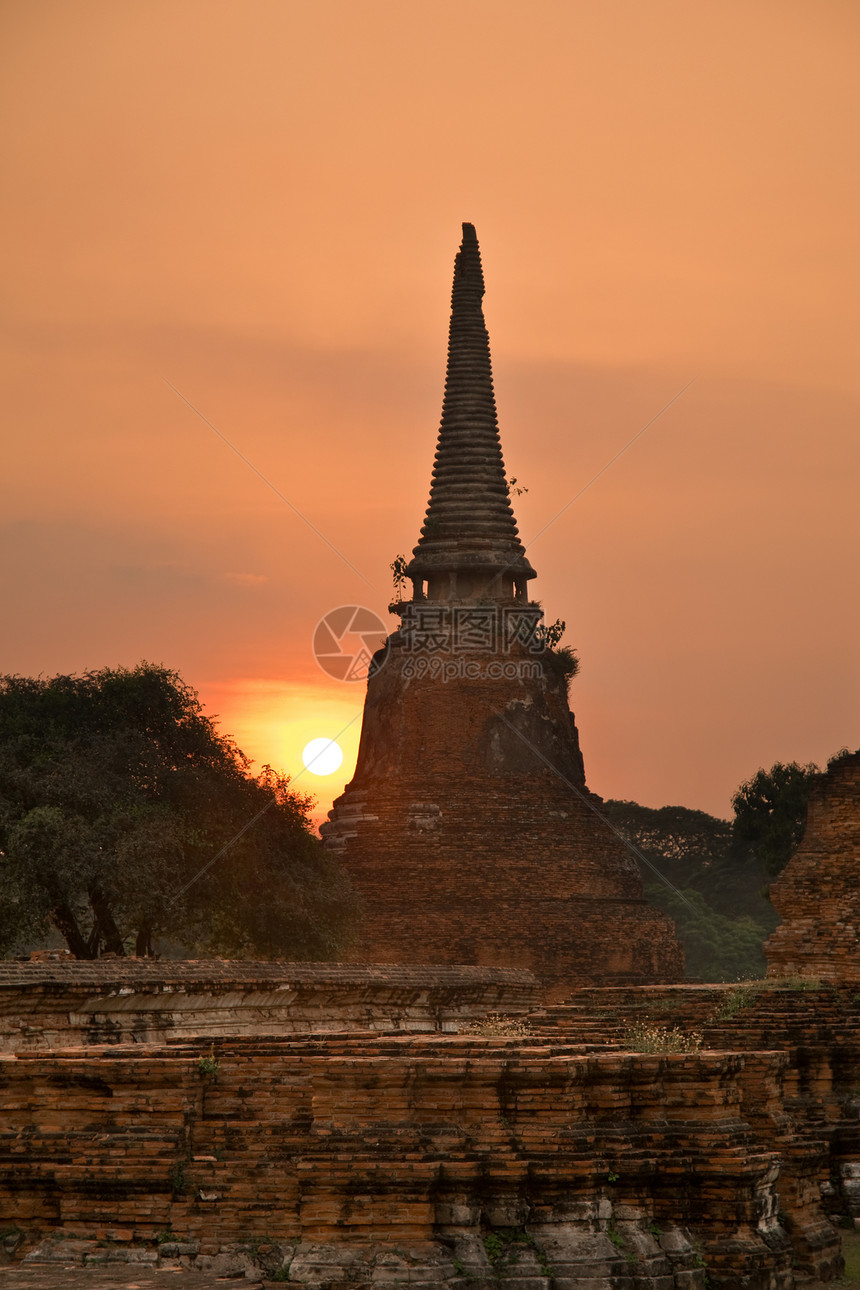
465, 846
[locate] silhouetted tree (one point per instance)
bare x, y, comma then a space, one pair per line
770, 812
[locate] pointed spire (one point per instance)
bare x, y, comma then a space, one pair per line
469, 543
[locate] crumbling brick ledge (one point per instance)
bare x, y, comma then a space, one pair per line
538, 1163
62, 1003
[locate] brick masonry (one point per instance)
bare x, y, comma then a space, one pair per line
64, 1003
468, 830
559, 1159
466, 846
818, 893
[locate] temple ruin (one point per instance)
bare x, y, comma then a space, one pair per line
455, 1125
817, 895
355, 1126
468, 829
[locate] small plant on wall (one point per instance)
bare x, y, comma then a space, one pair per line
495, 1025
398, 574
209, 1064
646, 1037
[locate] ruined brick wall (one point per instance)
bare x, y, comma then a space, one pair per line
818, 893
595, 1164
64, 1004
466, 846
418, 1157
817, 1028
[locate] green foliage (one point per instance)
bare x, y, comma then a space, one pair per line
770, 812
716, 948
693, 849
495, 1247
209, 1064
502, 1243
722, 868
515, 489
744, 996
800, 983
124, 814
618, 1241
721, 916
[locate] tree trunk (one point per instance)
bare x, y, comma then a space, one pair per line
105, 925
66, 924
143, 944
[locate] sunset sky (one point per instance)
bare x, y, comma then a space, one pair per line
259, 202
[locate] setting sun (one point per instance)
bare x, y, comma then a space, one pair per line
225, 324
322, 756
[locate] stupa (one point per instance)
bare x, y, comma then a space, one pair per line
467, 829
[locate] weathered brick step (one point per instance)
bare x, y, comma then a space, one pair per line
386, 1135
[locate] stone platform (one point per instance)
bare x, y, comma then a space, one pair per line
551, 1160
63, 1003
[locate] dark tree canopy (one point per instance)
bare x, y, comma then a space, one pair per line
117, 793
722, 914
722, 868
770, 812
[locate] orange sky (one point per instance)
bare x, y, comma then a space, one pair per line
260, 203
